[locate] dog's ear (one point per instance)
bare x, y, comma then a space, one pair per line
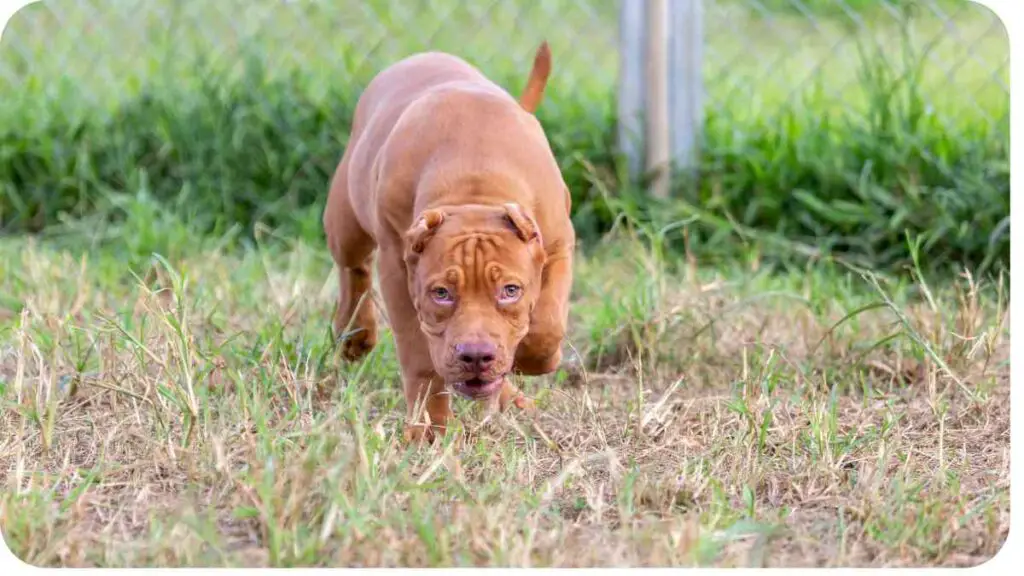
521, 222
527, 230
417, 236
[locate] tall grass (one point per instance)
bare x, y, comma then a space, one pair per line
220, 128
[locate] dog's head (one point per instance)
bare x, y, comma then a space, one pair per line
474, 278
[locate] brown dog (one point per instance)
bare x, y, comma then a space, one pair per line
455, 183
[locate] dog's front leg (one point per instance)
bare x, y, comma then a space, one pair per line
540, 352
427, 402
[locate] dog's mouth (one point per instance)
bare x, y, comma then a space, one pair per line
477, 388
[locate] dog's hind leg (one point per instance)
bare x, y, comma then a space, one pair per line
355, 321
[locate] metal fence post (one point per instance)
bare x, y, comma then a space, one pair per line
686, 82
660, 104
658, 129
631, 84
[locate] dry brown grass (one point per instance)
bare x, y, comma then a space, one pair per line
728, 419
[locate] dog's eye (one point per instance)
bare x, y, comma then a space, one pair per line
441, 294
510, 292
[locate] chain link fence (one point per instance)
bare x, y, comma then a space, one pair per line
840, 101
112, 47
766, 52
784, 47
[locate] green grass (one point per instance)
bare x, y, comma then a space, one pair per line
212, 109
191, 411
803, 361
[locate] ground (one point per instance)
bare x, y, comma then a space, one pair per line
190, 409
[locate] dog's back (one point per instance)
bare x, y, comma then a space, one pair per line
435, 104
397, 86
393, 89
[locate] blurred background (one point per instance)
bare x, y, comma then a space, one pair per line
875, 130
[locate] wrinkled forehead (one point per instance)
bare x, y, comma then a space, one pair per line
480, 255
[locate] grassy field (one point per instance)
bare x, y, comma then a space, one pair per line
191, 411
803, 361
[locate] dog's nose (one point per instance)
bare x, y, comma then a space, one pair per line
476, 356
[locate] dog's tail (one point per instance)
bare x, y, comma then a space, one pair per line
534, 90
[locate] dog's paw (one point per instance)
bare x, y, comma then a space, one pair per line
512, 396
358, 345
419, 434
525, 404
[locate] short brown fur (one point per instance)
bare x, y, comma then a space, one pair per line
453, 183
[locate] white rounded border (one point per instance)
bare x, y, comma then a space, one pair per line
1009, 12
